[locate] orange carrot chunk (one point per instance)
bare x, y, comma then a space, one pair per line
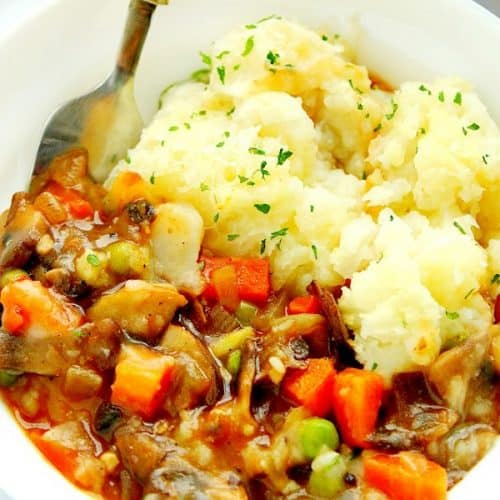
408, 475
143, 377
252, 277
78, 207
225, 282
357, 397
308, 304
311, 387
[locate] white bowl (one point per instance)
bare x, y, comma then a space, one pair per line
65, 48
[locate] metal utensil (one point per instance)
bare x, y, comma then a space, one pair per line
106, 121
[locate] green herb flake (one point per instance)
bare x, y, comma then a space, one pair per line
391, 217
249, 44
374, 366
459, 227
173, 128
202, 112
283, 156
469, 293
262, 246
324, 38
227, 134
222, 54
356, 89
93, 260
219, 144
441, 96
378, 127
495, 279
204, 187
206, 59
256, 151
360, 106
458, 98
280, 232
423, 131
221, 71
452, 315
216, 217
236, 67
152, 178
162, 143
336, 36
314, 251
242, 179
231, 111
473, 126
485, 159
201, 265
272, 57
311, 208
201, 76
263, 171
232, 237
187, 126
127, 159
263, 207
395, 107
268, 18
78, 332
250, 26
464, 130
423, 88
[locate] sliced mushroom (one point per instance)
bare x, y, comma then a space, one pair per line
140, 308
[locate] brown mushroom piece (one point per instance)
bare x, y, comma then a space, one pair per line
453, 370
140, 308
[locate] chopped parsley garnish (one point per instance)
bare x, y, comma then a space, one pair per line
452, 315
263, 170
473, 126
219, 144
231, 111
374, 366
423, 131
267, 18
232, 237
256, 151
363, 175
242, 179
201, 265
93, 260
311, 208
222, 54
441, 96
324, 38
469, 293
280, 232
459, 227
173, 128
485, 159
423, 88
162, 143
495, 279
250, 26
127, 159
227, 134
248, 46
216, 217
378, 127
263, 207
200, 76
359, 91
221, 71
236, 67
283, 156
464, 130
152, 178
202, 112
203, 187
315, 251
187, 126
78, 332
273, 57
360, 106
206, 59
262, 246
395, 107
458, 98
391, 217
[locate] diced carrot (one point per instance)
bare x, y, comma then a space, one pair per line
309, 304
408, 475
78, 207
63, 458
225, 282
14, 319
357, 397
143, 377
311, 387
252, 277
496, 313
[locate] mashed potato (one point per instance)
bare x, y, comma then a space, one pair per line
289, 152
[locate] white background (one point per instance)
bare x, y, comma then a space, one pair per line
13, 11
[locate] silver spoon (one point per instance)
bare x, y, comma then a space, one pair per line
106, 121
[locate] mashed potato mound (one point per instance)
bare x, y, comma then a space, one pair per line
289, 152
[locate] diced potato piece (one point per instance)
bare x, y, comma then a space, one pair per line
142, 309
91, 268
81, 382
177, 233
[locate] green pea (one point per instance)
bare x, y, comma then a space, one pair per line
12, 275
327, 476
246, 313
8, 378
234, 362
315, 434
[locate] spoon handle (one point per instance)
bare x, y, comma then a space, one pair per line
136, 29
